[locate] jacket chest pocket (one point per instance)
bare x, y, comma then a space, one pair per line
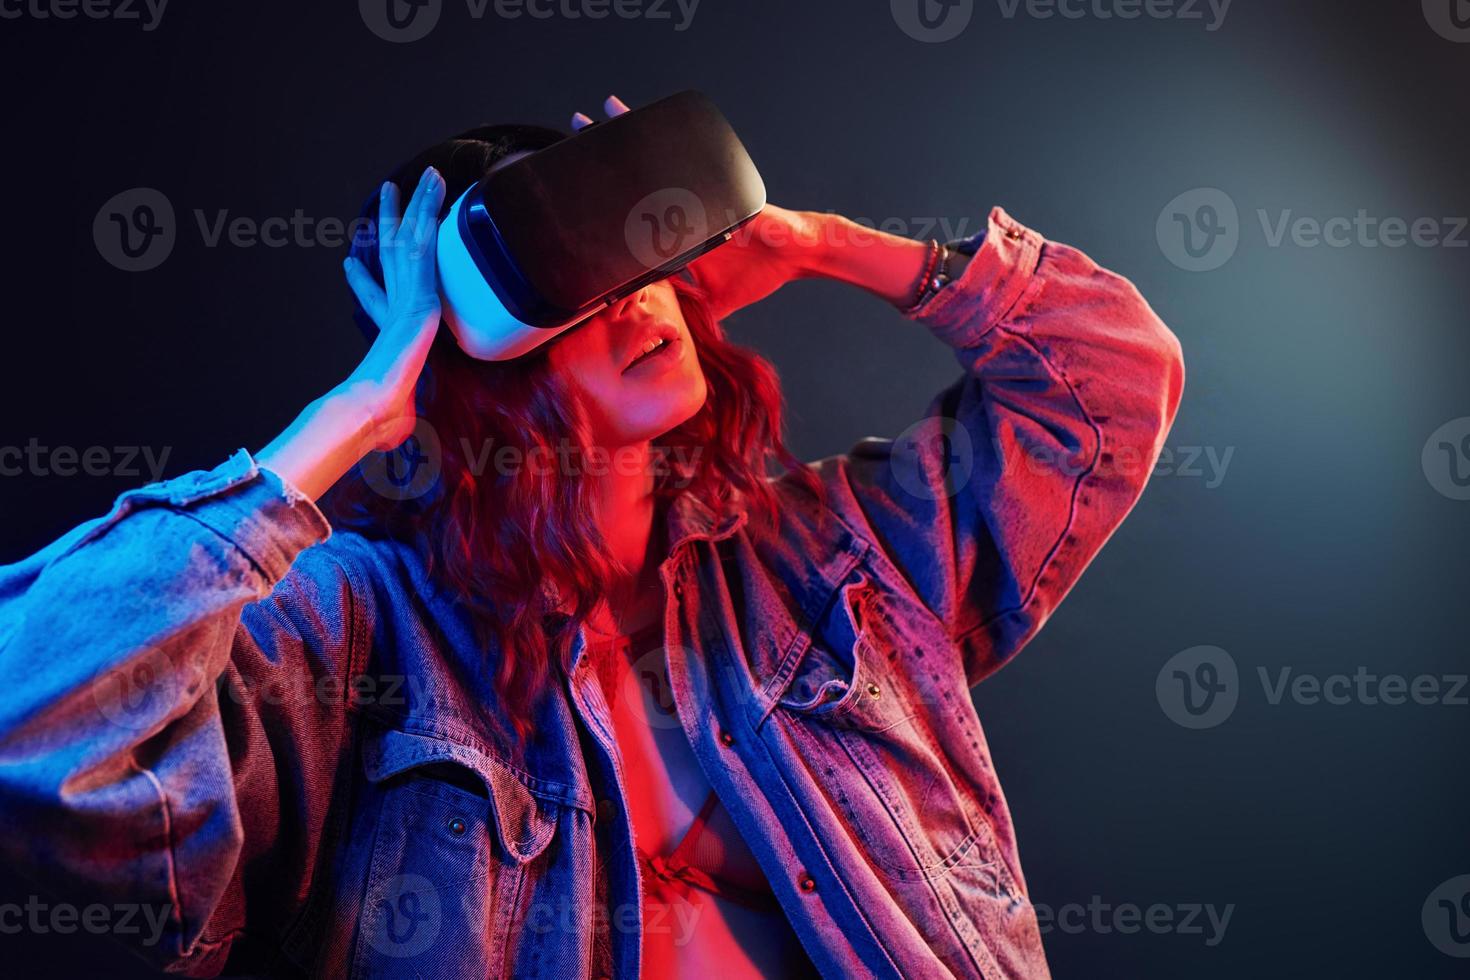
862, 716
449, 859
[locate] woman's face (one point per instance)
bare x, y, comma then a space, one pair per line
634, 366
631, 398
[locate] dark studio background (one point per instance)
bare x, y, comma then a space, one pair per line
1321, 370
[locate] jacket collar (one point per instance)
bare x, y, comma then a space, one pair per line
691, 519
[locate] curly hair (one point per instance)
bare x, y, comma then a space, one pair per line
519, 546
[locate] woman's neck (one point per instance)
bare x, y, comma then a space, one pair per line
627, 513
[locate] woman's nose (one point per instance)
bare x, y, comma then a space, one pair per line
632, 302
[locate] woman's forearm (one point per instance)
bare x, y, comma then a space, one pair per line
324, 442
888, 266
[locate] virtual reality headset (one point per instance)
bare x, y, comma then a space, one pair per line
541, 244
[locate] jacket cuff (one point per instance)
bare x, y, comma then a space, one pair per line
962, 313
266, 518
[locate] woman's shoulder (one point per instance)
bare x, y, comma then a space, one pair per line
363, 556
350, 574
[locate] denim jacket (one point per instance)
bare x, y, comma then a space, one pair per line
285, 739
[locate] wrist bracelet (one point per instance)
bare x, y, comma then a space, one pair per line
921, 288
936, 276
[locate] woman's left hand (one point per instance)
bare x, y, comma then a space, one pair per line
770, 250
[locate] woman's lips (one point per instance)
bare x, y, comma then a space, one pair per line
663, 355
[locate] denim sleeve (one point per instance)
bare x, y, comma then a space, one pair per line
163, 738
995, 502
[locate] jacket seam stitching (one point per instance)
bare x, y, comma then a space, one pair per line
1034, 587
255, 563
172, 858
831, 865
302, 924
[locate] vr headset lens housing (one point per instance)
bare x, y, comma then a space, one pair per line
542, 244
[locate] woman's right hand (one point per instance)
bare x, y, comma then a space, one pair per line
374, 408
405, 308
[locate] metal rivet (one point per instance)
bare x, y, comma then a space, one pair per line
726, 739
806, 883
456, 826
874, 691
1013, 234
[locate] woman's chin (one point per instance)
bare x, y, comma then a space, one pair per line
671, 403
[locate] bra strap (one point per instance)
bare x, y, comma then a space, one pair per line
676, 867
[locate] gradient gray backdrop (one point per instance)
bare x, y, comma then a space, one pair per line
1322, 371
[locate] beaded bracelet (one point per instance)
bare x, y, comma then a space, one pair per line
936, 275
921, 287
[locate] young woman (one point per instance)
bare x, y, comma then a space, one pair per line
584, 690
